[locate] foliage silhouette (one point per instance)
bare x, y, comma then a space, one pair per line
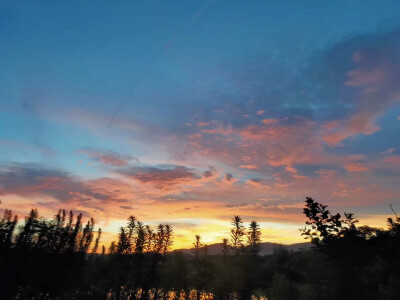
63, 258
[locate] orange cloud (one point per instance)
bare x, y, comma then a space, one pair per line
223, 131
248, 167
258, 182
163, 178
373, 78
335, 132
107, 157
280, 145
269, 121
393, 159
356, 167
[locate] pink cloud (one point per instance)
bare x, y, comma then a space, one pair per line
356, 167
291, 169
161, 176
372, 79
333, 133
393, 159
195, 136
269, 121
258, 182
222, 131
107, 157
279, 145
248, 167
28, 181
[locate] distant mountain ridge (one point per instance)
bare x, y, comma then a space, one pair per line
266, 248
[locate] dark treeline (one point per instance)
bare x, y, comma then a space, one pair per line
62, 259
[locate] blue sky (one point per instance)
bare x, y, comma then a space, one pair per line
220, 106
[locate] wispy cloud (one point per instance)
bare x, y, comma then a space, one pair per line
161, 177
34, 180
108, 157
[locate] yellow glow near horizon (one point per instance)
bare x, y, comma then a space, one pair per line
212, 229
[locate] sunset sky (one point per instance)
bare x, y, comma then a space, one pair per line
190, 112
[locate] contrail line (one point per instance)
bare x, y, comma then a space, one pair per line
165, 48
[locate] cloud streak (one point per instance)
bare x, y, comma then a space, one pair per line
108, 157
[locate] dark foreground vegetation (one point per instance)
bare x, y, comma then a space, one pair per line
61, 259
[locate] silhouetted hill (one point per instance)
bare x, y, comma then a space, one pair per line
266, 248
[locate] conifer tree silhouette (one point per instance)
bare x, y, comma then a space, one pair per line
8, 223
253, 238
197, 246
57, 259
123, 245
168, 240
26, 237
237, 234
97, 241
141, 237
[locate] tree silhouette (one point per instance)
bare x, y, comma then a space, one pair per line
225, 247
97, 241
59, 259
131, 230
26, 237
237, 234
141, 238
123, 245
254, 238
168, 240
86, 237
7, 226
197, 245
202, 267
322, 225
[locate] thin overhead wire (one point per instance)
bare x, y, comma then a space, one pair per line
391, 207
156, 57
